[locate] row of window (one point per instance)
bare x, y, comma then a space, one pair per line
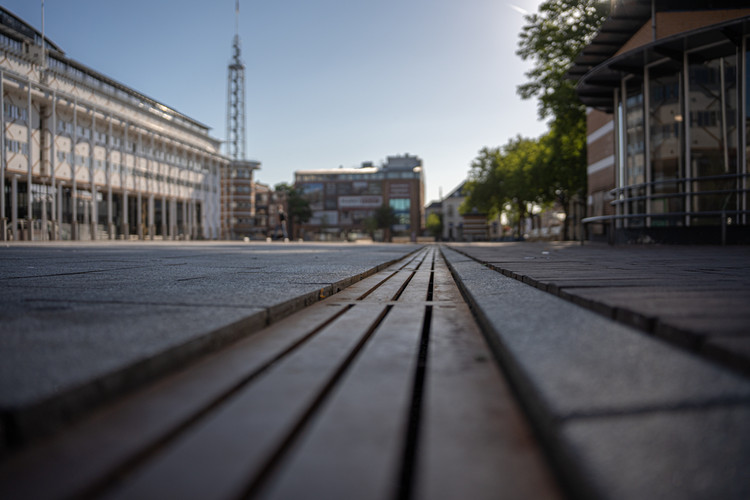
130, 171
14, 112
105, 87
357, 177
66, 127
12, 146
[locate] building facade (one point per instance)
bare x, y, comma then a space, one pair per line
238, 211
269, 205
342, 199
453, 221
666, 84
472, 226
84, 157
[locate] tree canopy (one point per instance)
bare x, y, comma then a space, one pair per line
552, 168
297, 207
434, 224
507, 179
551, 40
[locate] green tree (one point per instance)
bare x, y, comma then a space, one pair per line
486, 185
552, 39
385, 217
297, 207
507, 180
434, 225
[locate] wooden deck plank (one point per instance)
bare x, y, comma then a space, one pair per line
444, 289
90, 451
418, 260
416, 292
230, 446
357, 290
389, 289
322, 404
354, 446
474, 441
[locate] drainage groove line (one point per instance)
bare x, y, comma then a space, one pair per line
257, 483
107, 480
409, 457
368, 292
394, 273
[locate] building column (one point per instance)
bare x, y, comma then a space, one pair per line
44, 236
94, 220
29, 204
173, 219
52, 168
59, 200
164, 223
14, 207
74, 166
110, 224
151, 225
194, 219
139, 214
185, 233
125, 210
3, 218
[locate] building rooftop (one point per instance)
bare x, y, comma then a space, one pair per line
598, 69
359, 170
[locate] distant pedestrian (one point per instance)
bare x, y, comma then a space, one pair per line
282, 220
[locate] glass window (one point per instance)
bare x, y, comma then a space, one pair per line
713, 119
665, 143
400, 204
747, 125
635, 148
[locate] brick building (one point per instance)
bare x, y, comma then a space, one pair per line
342, 199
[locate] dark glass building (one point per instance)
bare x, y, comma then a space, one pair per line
666, 83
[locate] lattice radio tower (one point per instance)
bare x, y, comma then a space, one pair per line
238, 205
236, 97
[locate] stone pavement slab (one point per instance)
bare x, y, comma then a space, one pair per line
589, 382
82, 322
695, 296
361, 395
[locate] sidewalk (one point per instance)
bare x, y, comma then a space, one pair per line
622, 413
386, 389
82, 323
695, 296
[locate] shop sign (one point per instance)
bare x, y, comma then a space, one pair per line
360, 201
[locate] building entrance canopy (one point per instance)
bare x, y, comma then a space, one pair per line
598, 76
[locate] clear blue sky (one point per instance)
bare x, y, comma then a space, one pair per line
328, 82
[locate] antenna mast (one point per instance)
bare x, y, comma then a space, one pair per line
236, 97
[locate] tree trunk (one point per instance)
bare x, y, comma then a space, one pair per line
521, 217
565, 204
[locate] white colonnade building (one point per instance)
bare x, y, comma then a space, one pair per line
85, 157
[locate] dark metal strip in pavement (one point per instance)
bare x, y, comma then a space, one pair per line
258, 481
